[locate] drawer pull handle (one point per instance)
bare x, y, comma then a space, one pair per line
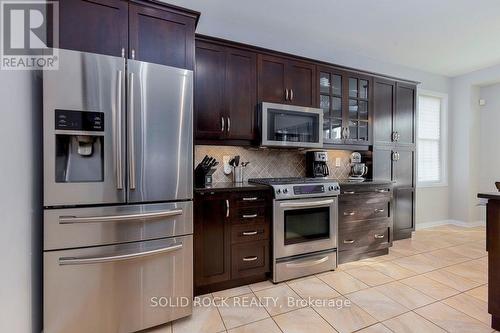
378, 210
308, 263
349, 213
249, 233
250, 216
251, 199
250, 258
348, 241
379, 236
381, 190
349, 192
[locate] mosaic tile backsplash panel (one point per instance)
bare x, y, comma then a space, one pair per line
265, 163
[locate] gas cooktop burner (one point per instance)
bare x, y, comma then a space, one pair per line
293, 188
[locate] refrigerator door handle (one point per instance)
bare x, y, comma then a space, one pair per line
131, 150
121, 257
119, 218
118, 131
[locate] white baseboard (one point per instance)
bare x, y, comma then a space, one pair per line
426, 225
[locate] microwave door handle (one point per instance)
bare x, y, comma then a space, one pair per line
131, 134
121, 257
119, 218
309, 204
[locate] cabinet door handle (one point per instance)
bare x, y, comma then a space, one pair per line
227, 208
378, 210
250, 199
123, 52
394, 156
286, 94
393, 136
349, 192
348, 241
228, 124
249, 233
250, 258
133, 54
251, 216
291, 94
349, 213
222, 124
379, 236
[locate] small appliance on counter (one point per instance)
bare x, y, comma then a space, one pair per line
204, 171
316, 164
358, 169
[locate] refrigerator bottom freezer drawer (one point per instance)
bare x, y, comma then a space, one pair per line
118, 288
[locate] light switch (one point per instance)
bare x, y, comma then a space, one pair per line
337, 162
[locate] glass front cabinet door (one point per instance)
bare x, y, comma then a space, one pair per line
345, 99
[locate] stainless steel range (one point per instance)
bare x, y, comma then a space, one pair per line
305, 219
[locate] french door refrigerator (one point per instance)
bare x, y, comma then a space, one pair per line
118, 211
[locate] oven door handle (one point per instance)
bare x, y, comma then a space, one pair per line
308, 263
122, 257
306, 204
118, 218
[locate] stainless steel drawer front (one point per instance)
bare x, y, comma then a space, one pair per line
113, 288
78, 227
306, 265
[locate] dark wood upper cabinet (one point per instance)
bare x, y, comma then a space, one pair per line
161, 36
271, 79
241, 94
302, 83
404, 118
281, 80
225, 93
209, 85
141, 30
212, 241
99, 26
384, 102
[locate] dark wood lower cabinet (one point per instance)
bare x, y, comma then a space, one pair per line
365, 221
231, 239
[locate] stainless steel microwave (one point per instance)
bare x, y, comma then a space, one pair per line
290, 126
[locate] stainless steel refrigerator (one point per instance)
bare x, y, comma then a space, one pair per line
118, 217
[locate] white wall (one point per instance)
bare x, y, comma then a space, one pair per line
464, 143
489, 139
20, 198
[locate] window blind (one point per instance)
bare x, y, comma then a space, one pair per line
429, 139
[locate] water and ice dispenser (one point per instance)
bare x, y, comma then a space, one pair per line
79, 146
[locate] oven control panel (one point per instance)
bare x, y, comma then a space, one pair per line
295, 191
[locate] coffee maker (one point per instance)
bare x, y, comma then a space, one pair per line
316, 164
358, 169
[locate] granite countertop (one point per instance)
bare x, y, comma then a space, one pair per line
489, 195
230, 186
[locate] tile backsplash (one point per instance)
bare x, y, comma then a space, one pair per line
265, 163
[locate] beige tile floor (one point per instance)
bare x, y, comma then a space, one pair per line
435, 282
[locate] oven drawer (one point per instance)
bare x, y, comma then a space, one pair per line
351, 213
249, 259
250, 232
113, 288
369, 239
79, 227
250, 215
300, 266
252, 199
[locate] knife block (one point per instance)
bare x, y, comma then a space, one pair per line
202, 178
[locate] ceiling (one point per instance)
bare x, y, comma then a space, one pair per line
447, 37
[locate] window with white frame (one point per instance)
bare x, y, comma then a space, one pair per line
431, 145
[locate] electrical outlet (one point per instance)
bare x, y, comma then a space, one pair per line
337, 162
